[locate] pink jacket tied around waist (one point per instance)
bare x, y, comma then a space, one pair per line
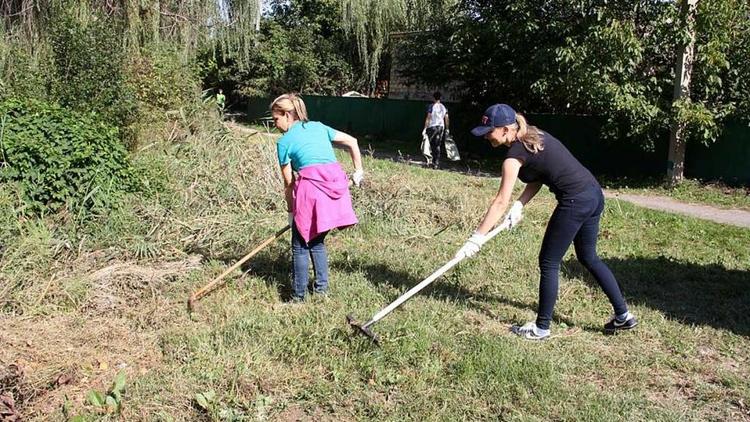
322, 201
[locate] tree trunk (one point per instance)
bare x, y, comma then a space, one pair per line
257, 15
683, 71
135, 30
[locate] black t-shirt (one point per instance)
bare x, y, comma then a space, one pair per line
554, 166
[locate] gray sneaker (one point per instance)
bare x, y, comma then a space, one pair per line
530, 331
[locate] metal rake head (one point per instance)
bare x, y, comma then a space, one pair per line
357, 327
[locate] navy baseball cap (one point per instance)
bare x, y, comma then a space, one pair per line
497, 115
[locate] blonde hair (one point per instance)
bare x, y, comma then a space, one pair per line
530, 136
290, 103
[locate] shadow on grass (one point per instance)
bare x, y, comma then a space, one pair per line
274, 271
381, 274
690, 293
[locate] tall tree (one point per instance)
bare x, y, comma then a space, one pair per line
301, 46
189, 24
369, 24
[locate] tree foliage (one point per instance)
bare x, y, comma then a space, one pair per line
190, 24
614, 59
721, 73
87, 69
369, 23
122, 59
300, 47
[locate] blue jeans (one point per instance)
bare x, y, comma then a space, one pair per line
575, 219
301, 253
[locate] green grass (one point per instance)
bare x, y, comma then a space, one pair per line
694, 191
446, 354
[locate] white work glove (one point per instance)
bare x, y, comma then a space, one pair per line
515, 215
290, 218
357, 177
472, 246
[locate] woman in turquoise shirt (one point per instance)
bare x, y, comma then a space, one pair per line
316, 187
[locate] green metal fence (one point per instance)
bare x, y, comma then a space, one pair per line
728, 159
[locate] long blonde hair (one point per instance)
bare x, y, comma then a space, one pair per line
530, 136
290, 103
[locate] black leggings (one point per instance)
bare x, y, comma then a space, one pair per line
575, 219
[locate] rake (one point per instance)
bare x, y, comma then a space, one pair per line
365, 329
215, 282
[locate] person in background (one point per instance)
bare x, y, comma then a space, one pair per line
316, 188
221, 100
435, 126
537, 158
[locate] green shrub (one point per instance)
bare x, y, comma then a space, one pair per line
22, 68
61, 158
88, 69
167, 93
162, 81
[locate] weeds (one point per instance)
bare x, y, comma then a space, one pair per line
111, 400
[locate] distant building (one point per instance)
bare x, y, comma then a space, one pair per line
354, 94
399, 87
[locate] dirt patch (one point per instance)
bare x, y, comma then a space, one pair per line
293, 414
49, 359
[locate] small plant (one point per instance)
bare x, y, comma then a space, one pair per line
206, 400
67, 409
111, 401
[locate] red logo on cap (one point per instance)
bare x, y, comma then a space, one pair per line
485, 119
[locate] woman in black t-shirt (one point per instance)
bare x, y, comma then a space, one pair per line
539, 159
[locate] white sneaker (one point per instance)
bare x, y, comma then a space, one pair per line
530, 331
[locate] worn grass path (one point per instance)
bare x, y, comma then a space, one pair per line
735, 217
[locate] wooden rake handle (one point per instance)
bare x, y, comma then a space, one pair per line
215, 282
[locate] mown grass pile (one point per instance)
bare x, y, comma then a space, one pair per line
83, 300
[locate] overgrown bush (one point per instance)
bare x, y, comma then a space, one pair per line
22, 68
167, 93
61, 158
162, 81
88, 61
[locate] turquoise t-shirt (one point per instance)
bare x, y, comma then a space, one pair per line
305, 144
